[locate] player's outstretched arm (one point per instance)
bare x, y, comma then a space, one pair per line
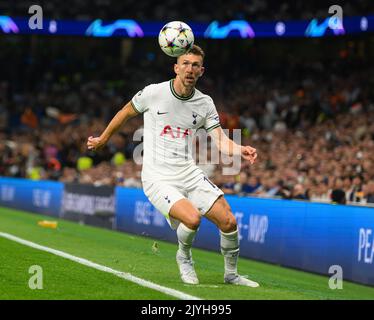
127, 112
227, 146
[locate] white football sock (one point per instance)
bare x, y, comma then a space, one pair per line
185, 238
230, 251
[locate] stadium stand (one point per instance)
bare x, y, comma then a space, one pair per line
306, 106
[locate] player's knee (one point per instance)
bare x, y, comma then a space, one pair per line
193, 221
228, 224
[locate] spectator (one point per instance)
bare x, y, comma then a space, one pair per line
228, 186
369, 194
338, 196
251, 186
299, 193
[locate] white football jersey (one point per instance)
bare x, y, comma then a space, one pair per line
170, 124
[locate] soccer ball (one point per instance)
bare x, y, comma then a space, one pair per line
175, 38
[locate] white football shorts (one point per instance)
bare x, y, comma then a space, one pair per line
200, 191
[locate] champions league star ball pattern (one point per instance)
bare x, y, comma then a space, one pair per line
175, 38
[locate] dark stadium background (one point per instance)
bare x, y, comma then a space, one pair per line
313, 95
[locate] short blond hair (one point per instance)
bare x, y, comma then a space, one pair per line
196, 50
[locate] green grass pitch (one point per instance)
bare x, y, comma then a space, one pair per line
65, 279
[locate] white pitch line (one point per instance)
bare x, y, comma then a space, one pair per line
124, 275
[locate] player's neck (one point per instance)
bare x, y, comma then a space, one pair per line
181, 89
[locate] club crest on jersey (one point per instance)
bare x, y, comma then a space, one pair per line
175, 132
194, 115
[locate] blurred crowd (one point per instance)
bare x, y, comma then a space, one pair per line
311, 122
169, 10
